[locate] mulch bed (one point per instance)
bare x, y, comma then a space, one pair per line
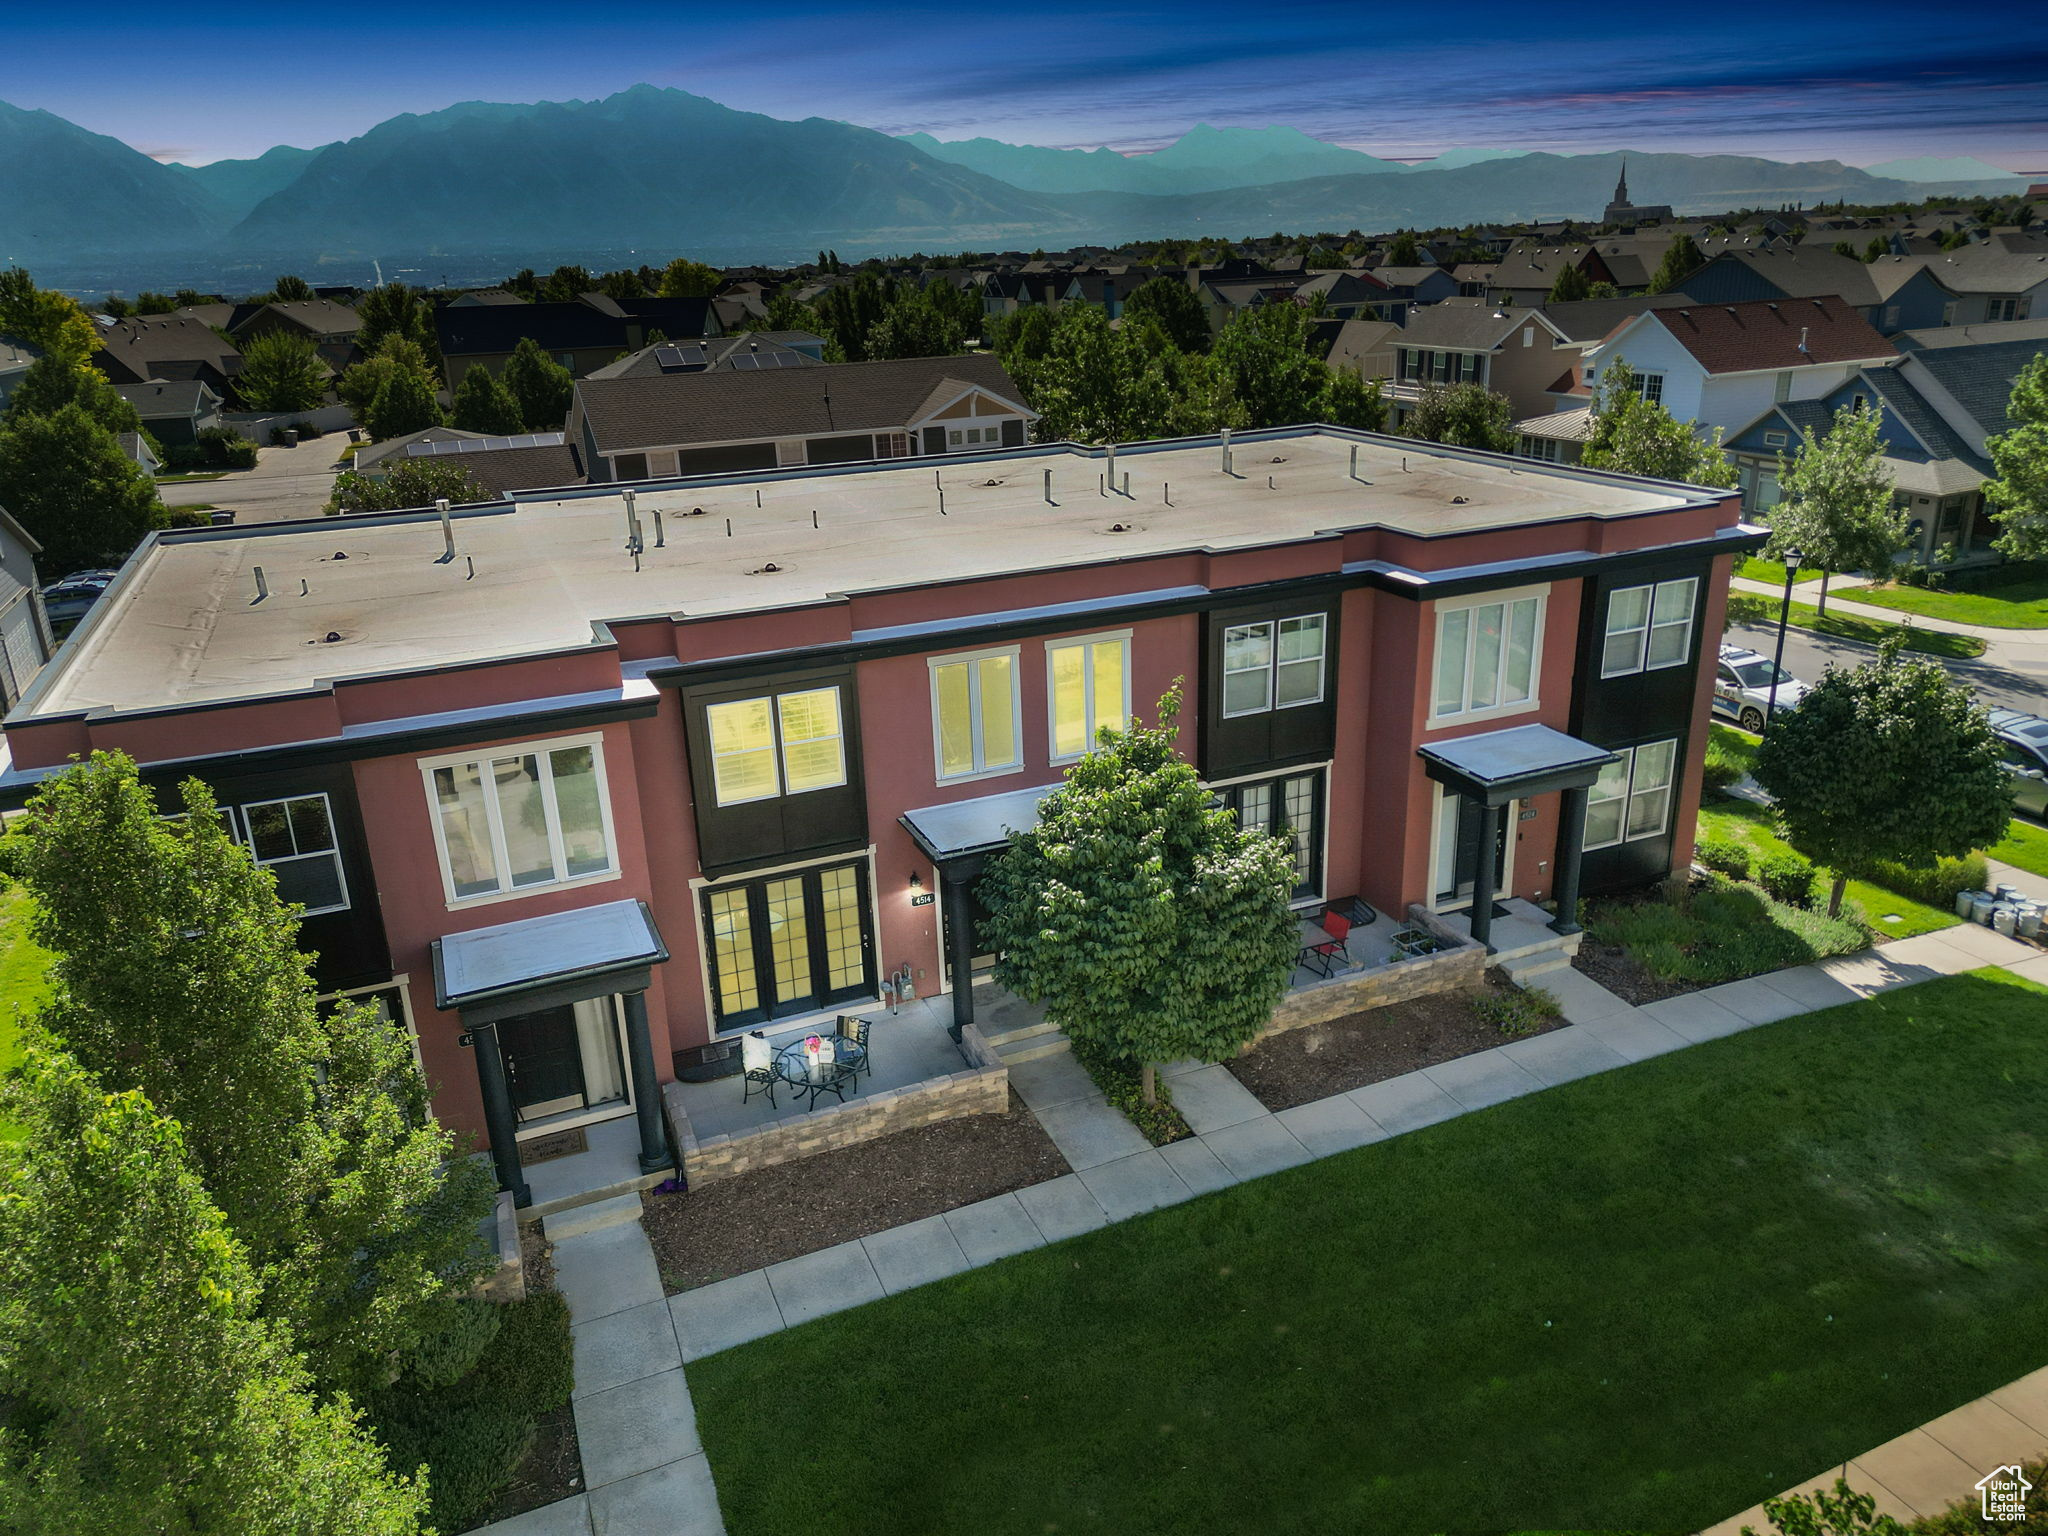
1318, 1060
1610, 965
552, 1468
760, 1218
536, 1258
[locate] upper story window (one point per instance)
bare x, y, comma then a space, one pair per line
294, 839
1632, 798
2001, 309
1651, 387
520, 819
1088, 687
977, 715
1649, 627
1274, 664
1487, 656
783, 743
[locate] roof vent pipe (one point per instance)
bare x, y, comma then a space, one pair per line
1111, 476
262, 586
633, 540
1048, 488
1802, 338
447, 529
1226, 450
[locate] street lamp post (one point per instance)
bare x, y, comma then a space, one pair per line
1793, 560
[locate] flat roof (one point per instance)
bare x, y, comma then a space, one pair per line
975, 826
183, 625
509, 957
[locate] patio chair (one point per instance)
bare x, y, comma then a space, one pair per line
1325, 957
855, 1031
757, 1063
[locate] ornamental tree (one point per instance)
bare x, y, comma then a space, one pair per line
1893, 761
177, 973
404, 402
1175, 306
1148, 922
542, 386
1635, 436
412, 483
2020, 454
150, 1391
1264, 370
1571, 285
1682, 258
281, 371
484, 404
55, 324
1463, 416
1838, 508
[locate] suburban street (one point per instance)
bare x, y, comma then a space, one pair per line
2012, 673
286, 484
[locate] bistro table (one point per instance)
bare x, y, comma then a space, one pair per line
794, 1066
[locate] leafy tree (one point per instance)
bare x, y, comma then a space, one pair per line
1023, 337
1464, 416
414, 483
566, 284
1633, 435
1572, 285
1265, 374
52, 382
115, 307
1682, 258
484, 404
292, 290
66, 481
917, 324
542, 386
148, 303
177, 974
358, 387
1846, 248
404, 403
1875, 249
396, 310
1843, 1512
2020, 455
623, 284
1175, 306
1893, 761
1146, 920
1350, 399
152, 1395
687, 279
1095, 384
1838, 507
1404, 251
50, 322
1602, 289
281, 371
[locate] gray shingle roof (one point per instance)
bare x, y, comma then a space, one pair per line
1903, 401
1979, 379
1472, 328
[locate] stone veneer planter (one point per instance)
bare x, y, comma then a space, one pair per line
1458, 966
982, 1089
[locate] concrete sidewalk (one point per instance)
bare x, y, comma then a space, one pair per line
1809, 592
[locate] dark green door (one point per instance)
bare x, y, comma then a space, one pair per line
543, 1061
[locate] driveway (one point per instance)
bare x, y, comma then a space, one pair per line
287, 484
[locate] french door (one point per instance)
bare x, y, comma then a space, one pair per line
1291, 807
789, 943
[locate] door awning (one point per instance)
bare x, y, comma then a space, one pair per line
1495, 767
543, 962
968, 827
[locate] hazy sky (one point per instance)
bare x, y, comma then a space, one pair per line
1872, 80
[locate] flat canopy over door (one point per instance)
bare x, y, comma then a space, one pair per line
493, 973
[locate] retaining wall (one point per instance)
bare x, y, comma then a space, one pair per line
1457, 968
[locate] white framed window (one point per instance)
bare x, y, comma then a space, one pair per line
1781, 387
1649, 627
977, 714
1544, 449
1487, 656
1274, 664
779, 744
1774, 439
1650, 386
521, 818
1631, 799
294, 839
1087, 687
892, 445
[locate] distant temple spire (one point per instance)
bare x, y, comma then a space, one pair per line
1621, 186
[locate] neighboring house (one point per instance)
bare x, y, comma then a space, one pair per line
748, 350
663, 425
1474, 279
1411, 286
1558, 437
1513, 352
484, 296
582, 335
1106, 289
374, 460
25, 641
1722, 365
1893, 293
501, 465
1993, 280
1367, 346
1590, 321
1345, 295
174, 412
170, 347
320, 321
675, 784
15, 358
137, 448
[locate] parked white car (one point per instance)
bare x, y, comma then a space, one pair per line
1744, 685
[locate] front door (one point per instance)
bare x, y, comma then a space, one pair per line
543, 1062
789, 943
1457, 861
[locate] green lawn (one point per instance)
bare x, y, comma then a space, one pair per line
1643, 1299
2017, 599
1756, 568
1735, 743
23, 982
2025, 846
1753, 824
1934, 642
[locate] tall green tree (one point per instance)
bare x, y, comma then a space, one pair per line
1838, 507
1097, 385
1893, 761
358, 386
1350, 399
918, 324
396, 310
290, 289
1571, 285
404, 403
1875, 249
2020, 455
178, 974
415, 483
1633, 435
281, 371
1682, 258
1464, 416
1264, 370
151, 1393
687, 279
565, 285
1404, 251
53, 382
484, 404
622, 284
51, 322
66, 480
542, 386
1175, 306
1147, 921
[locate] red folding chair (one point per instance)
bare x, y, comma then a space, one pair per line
1327, 956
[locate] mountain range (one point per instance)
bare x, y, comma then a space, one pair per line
655, 171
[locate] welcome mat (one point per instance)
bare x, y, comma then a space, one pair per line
555, 1144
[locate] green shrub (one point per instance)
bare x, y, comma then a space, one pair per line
1518, 1010
451, 1351
221, 448
1786, 877
1965, 1517
1936, 886
1747, 609
1723, 855
1723, 767
1720, 932
1123, 1085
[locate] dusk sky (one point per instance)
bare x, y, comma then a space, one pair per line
1861, 82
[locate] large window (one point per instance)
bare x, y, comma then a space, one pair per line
1649, 627
977, 720
1487, 657
789, 943
1632, 798
294, 839
1274, 664
523, 819
1290, 807
1087, 688
780, 744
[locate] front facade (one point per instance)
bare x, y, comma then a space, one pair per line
752, 761
1513, 352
